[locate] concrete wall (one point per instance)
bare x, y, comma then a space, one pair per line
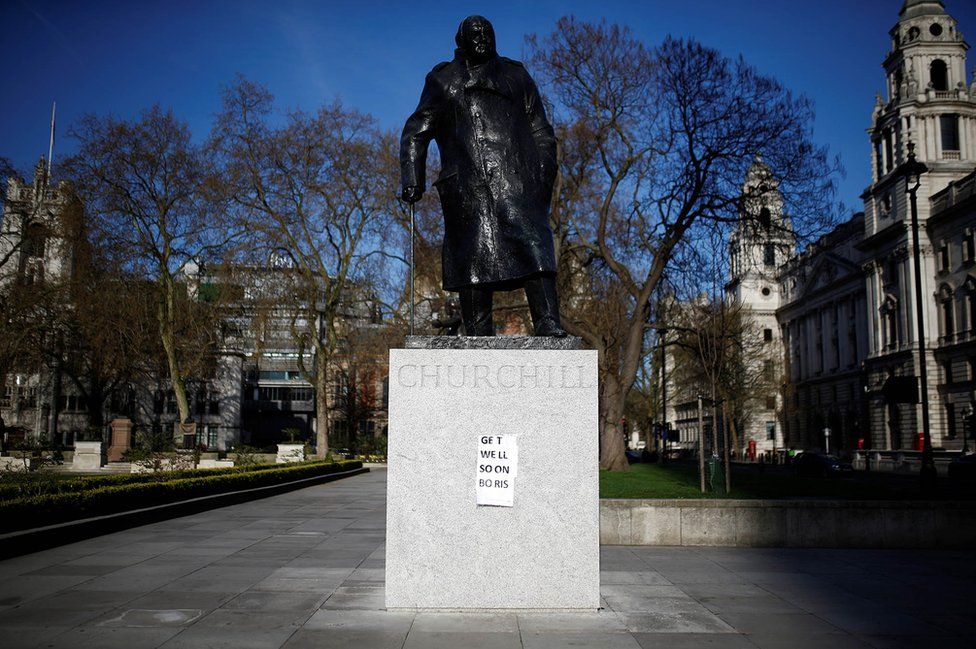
788, 523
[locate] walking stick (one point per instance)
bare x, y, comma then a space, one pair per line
413, 214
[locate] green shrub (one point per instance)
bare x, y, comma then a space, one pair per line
16, 488
47, 509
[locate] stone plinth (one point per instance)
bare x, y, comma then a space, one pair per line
88, 456
121, 439
493, 342
443, 550
290, 453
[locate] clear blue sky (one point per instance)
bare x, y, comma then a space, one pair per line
123, 56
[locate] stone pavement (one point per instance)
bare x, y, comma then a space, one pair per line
305, 569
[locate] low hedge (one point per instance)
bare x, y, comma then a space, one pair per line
48, 509
15, 488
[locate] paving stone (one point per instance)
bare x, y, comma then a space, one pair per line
344, 639
86, 637
692, 640
440, 640
581, 640
289, 585
440, 622
362, 620
583, 622
702, 621
778, 623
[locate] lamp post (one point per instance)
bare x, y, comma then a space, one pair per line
663, 450
912, 170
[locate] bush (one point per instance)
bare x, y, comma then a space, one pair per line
47, 509
13, 487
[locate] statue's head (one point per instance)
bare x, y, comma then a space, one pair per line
476, 39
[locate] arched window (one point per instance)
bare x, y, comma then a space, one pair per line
765, 219
948, 312
939, 75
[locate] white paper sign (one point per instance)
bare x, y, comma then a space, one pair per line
497, 466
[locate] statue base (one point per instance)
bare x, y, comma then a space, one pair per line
493, 491
493, 342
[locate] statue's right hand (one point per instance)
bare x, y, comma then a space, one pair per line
412, 194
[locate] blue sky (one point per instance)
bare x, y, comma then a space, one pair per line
120, 57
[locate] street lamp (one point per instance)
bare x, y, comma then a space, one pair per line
912, 170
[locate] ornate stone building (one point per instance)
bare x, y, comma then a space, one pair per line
824, 323
761, 244
849, 313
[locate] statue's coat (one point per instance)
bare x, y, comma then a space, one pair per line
498, 164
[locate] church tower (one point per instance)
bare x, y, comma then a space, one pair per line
762, 243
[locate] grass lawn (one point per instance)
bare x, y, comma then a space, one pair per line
681, 481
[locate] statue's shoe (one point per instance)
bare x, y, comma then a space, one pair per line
551, 330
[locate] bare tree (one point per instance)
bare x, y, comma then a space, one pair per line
311, 193
655, 143
148, 191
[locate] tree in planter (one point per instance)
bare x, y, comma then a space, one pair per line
654, 146
150, 197
309, 193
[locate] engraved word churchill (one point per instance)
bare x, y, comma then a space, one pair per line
500, 377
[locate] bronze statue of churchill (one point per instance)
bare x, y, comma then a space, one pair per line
498, 164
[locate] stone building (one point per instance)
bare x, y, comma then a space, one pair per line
849, 311
823, 319
33, 254
928, 104
762, 243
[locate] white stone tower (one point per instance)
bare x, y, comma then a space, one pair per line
761, 244
928, 103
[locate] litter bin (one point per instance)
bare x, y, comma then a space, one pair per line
716, 475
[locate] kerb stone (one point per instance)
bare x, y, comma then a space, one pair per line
446, 552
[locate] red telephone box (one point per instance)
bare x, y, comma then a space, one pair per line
752, 450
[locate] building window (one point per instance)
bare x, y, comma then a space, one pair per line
949, 125
891, 272
771, 431
769, 254
947, 372
889, 150
939, 75
971, 304
948, 312
969, 247
944, 264
771, 403
207, 436
768, 335
765, 219
886, 205
769, 370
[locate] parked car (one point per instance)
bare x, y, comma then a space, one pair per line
816, 465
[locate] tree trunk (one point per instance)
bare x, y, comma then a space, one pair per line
165, 315
612, 456
725, 448
321, 408
56, 381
